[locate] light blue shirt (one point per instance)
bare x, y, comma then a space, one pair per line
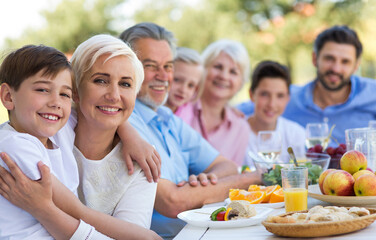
355, 112
183, 152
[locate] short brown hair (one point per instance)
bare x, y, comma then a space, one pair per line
338, 34
270, 69
28, 61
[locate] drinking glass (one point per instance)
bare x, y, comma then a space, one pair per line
363, 140
269, 145
317, 133
295, 188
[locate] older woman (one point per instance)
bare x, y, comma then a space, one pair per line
108, 76
227, 68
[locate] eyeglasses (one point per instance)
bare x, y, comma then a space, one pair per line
150, 66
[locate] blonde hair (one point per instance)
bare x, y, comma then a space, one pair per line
89, 51
191, 57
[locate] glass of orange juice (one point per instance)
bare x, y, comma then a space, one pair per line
295, 188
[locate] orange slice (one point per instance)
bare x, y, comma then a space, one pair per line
233, 193
253, 188
277, 196
255, 197
269, 190
237, 194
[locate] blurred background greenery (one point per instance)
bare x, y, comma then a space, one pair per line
281, 30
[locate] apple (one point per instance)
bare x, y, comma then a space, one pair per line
362, 172
365, 185
353, 161
339, 183
322, 177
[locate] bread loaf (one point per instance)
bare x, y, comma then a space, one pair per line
241, 209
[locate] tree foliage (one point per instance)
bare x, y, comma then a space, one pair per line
281, 30
72, 22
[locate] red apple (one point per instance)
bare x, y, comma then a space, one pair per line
339, 183
322, 177
362, 172
365, 185
353, 161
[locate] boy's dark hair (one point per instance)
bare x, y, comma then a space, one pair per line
270, 69
338, 34
28, 61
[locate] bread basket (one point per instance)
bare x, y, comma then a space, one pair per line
320, 229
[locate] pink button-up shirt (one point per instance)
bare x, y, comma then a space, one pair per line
230, 138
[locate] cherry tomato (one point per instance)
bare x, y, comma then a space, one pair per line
221, 216
213, 216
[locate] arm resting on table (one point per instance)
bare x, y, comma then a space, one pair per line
171, 199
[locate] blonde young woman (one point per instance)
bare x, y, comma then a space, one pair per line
226, 69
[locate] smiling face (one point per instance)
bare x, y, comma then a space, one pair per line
41, 106
184, 86
223, 79
270, 99
156, 57
107, 93
335, 64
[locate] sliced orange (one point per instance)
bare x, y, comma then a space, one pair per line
277, 196
253, 188
232, 193
269, 190
255, 197
237, 194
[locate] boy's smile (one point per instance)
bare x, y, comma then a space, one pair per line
42, 104
270, 97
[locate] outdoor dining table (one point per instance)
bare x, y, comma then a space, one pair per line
256, 232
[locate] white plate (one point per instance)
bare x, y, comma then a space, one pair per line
367, 201
269, 205
201, 218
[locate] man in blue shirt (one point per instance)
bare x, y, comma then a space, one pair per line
193, 172
336, 95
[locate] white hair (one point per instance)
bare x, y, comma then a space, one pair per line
235, 50
148, 30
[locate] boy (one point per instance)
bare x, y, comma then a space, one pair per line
36, 90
